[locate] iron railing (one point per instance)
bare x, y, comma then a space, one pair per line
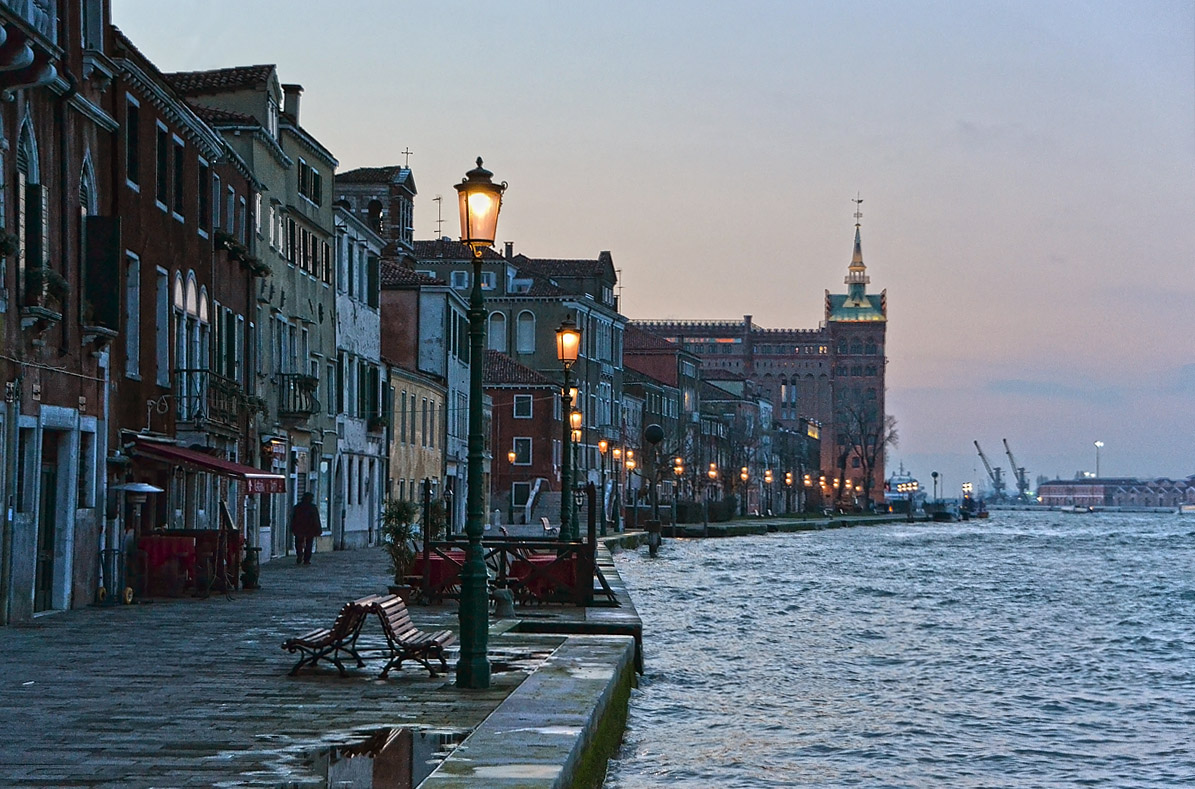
203, 396
296, 395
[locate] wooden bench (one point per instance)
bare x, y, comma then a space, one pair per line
405, 641
548, 527
330, 642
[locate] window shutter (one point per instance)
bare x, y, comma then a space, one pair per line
372, 281
101, 267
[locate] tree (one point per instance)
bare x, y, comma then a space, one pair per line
863, 433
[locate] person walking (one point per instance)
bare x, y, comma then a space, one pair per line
305, 525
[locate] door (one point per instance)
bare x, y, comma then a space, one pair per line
43, 588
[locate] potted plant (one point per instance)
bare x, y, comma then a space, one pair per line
398, 539
42, 281
9, 244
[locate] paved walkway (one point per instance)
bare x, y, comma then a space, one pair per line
196, 693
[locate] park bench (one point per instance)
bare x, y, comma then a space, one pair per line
405, 641
548, 527
330, 642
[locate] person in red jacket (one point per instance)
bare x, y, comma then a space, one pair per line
304, 524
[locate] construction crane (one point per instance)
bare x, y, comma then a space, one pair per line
996, 475
1019, 474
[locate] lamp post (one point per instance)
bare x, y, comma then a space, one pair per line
744, 475
678, 468
480, 200
1098, 445
568, 344
788, 492
630, 464
616, 464
767, 480
713, 475
512, 456
575, 419
603, 448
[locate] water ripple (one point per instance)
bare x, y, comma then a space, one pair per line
1030, 650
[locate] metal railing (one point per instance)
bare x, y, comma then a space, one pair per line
203, 396
296, 395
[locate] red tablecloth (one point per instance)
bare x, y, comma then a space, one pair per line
171, 559
443, 572
545, 575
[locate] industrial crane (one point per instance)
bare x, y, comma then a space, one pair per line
1019, 474
996, 475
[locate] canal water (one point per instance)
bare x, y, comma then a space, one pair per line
1030, 649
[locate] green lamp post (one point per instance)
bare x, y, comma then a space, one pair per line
480, 202
568, 346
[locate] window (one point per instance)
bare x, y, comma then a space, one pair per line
402, 417
460, 280
310, 183
371, 281
525, 332
132, 317
497, 332
520, 492
132, 143
489, 280
523, 406
180, 187
204, 214
162, 329
217, 192
163, 160
522, 448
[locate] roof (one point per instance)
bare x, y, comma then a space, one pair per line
375, 175
395, 276
558, 267
219, 117
222, 79
842, 308
447, 249
501, 370
634, 338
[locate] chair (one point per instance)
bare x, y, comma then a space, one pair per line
548, 527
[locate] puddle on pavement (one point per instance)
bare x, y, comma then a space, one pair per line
502, 662
383, 758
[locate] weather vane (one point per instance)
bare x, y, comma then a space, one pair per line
858, 201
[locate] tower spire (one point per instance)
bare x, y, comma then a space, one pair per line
856, 276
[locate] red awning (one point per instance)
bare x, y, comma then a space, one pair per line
256, 480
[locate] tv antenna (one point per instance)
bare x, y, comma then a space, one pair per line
439, 201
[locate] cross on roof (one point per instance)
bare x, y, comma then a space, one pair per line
406, 153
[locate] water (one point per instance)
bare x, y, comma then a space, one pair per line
1032, 649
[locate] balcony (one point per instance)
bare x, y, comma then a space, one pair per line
203, 397
296, 396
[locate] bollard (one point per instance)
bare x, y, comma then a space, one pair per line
504, 604
652, 527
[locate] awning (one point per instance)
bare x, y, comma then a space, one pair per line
256, 480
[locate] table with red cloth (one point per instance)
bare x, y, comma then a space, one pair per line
444, 570
545, 576
172, 560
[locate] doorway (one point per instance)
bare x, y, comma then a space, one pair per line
47, 527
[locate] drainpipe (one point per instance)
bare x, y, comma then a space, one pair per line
64, 218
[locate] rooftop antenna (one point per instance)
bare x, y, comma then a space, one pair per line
406, 157
439, 201
858, 201
618, 273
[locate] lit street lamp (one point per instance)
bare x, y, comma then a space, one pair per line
603, 448
1098, 445
480, 200
575, 420
568, 345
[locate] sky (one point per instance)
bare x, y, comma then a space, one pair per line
1027, 173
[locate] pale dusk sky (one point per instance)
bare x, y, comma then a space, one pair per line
1027, 171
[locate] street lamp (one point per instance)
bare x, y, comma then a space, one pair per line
603, 448
767, 479
616, 465
575, 420
512, 456
568, 345
480, 200
1098, 446
630, 464
678, 468
744, 475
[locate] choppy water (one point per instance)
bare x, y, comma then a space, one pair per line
1032, 649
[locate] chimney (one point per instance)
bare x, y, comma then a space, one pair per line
290, 101
510, 250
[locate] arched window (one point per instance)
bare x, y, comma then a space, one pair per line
32, 228
375, 215
497, 332
525, 332
857, 348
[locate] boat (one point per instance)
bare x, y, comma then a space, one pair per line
903, 490
1076, 509
1186, 509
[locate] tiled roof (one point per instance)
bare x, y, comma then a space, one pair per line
714, 374
219, 117
221, 79
394, 275
636, 339
501, 370
373, 175
556, 267
447, 249
542, 287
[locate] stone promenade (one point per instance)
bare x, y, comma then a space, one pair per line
195, 692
